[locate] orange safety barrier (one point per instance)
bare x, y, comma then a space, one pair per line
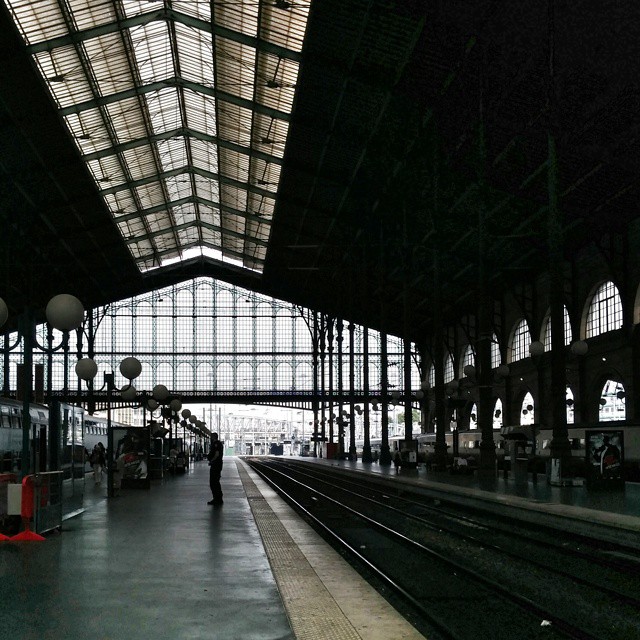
27, 509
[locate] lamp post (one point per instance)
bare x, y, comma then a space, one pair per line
130, 368
64, 312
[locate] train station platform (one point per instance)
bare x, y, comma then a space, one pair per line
162, 564
616, 508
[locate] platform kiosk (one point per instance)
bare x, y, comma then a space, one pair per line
408, 454
520, 449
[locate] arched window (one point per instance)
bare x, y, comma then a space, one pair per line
570, 405
204, 378
527, 413
468, 358
520, 342
304, 376
605, 311
164, 375
612, 402
448, 369
547, 330
224, 377
265, 379
284, 377
496, 357
473, 418
184, 376
244, 375
497, 415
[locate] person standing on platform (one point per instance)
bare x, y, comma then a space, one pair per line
215, 464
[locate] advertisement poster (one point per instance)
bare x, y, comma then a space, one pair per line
605, 455
131, 446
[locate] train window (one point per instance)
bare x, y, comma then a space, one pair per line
6, 423
545, 444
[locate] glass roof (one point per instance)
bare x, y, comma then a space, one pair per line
181, 111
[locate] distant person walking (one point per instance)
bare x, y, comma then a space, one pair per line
215, 463
397, 461
98, 461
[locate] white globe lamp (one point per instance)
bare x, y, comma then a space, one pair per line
160, 392
130, 368
579, 348
536, 348
86, 369
64, 312
128, 393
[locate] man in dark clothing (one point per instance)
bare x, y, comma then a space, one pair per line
215, 463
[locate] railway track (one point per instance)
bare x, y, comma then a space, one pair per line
458, 582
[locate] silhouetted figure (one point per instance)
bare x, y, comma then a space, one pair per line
215, 463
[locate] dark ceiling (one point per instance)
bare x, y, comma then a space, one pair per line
413, 124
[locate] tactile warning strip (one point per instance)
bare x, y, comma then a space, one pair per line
312, 611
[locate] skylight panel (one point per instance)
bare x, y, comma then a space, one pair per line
127, 121
233, 197
285, 28
236, 67
133, 8
38, 20
173, 153
179, 109
207, 189
131, 228
184, 214
89, 13
150, 195
204, 154
212, 238
152, 52
241, 17
109, 66
276, 85
195, 55
236, 165
63, 73
140, 162
210, 215
201, 114
121, 203
179, 186
164, 112
197, 8
267, 175
235, 123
